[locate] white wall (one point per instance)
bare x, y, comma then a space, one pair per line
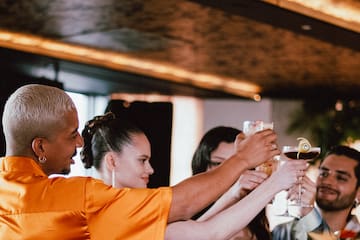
232, 113
282, 113
186, 133
193, 117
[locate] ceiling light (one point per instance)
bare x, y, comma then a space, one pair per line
125, 62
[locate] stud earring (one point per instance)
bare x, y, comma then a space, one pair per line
356, 203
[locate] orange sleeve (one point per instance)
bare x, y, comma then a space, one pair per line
127, 213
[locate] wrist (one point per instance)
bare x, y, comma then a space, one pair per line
272, 185
241, 161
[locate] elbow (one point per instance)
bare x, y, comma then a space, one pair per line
180, 212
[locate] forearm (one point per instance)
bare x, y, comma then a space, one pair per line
226, 200
228, 222
239, 215
195, 193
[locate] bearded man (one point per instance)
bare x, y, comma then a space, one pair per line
336, 193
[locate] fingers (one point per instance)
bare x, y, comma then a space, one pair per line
257, 148
293, 192
241, 136
290, 173
307, 189
273, 146
269, 138
251, 179
268, 134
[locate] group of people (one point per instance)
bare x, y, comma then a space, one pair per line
224, 199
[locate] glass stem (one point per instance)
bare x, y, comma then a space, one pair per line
299, 190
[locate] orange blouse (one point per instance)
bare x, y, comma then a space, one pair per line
33, 206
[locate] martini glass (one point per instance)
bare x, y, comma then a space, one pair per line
292, 153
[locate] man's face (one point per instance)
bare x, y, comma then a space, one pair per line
336, 183
61, 147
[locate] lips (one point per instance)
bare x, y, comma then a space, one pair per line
327, 191
146, 180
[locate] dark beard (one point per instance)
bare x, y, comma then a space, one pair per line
342, 203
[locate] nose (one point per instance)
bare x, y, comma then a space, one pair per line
149, 168
79, 141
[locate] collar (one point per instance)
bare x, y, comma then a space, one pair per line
21, 164
352, 225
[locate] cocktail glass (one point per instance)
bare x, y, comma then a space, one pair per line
293, 153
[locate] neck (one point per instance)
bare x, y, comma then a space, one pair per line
336, 220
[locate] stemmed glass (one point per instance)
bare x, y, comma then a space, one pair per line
281, 202
294, 153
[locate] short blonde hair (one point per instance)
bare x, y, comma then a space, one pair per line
34, 110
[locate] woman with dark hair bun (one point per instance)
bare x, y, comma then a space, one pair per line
118, 150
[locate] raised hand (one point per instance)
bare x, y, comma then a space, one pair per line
308, 192
288, 174
257, 148
248, 181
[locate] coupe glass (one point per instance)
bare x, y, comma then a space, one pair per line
292, 153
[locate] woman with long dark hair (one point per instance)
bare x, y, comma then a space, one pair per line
215, 147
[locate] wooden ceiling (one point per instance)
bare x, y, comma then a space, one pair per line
286, 54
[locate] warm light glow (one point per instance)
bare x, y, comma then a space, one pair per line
141, 97
339, 9
123, 62
345, 14
354, 144
338, 106
257, 97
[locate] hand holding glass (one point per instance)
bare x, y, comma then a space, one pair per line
294, 153
251, 127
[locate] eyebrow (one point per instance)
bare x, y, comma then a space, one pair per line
74, 131
337, 171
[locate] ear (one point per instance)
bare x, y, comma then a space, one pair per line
37, 146
357, 198
110, 160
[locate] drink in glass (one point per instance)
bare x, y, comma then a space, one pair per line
250, 127
296, 153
